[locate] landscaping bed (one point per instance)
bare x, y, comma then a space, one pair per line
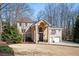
2, 43
6, 50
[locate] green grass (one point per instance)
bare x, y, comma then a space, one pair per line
6, 50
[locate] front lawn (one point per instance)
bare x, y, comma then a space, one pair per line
6, 50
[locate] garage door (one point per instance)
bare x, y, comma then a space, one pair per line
56, 39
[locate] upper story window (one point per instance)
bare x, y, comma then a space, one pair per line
59, 30
40, 29
53, 31
23, 30
25, 24
19, 24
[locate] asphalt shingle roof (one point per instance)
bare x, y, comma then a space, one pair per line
25, 20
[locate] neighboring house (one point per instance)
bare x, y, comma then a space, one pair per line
40, 31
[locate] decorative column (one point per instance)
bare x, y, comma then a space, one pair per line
49, 36
37, 36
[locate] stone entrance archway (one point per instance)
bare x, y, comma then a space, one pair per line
41, 30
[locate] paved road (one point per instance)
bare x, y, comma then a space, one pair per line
43, 50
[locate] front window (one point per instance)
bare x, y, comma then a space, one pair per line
53, 31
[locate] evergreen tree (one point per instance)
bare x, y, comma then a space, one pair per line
76, 30
10, 34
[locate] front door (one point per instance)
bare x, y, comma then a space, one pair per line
40, 36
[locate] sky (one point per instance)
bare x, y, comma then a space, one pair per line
37, 7
40, 6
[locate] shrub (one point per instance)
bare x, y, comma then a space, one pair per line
10, 34
6, 50
76, 30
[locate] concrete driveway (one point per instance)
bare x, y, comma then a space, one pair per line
43, 50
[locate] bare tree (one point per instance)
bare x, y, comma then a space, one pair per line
15, 11
2, 6
41, 15
61, 15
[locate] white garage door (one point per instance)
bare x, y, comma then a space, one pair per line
56, 39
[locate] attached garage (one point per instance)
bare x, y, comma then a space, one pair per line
56, 39
55, 35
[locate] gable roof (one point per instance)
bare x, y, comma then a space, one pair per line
39, 21
25, 20
44, 21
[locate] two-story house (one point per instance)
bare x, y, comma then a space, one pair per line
40, 31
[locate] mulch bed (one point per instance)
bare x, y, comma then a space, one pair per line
29, 42
6, 54
2, 43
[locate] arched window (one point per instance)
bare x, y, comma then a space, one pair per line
40, 29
